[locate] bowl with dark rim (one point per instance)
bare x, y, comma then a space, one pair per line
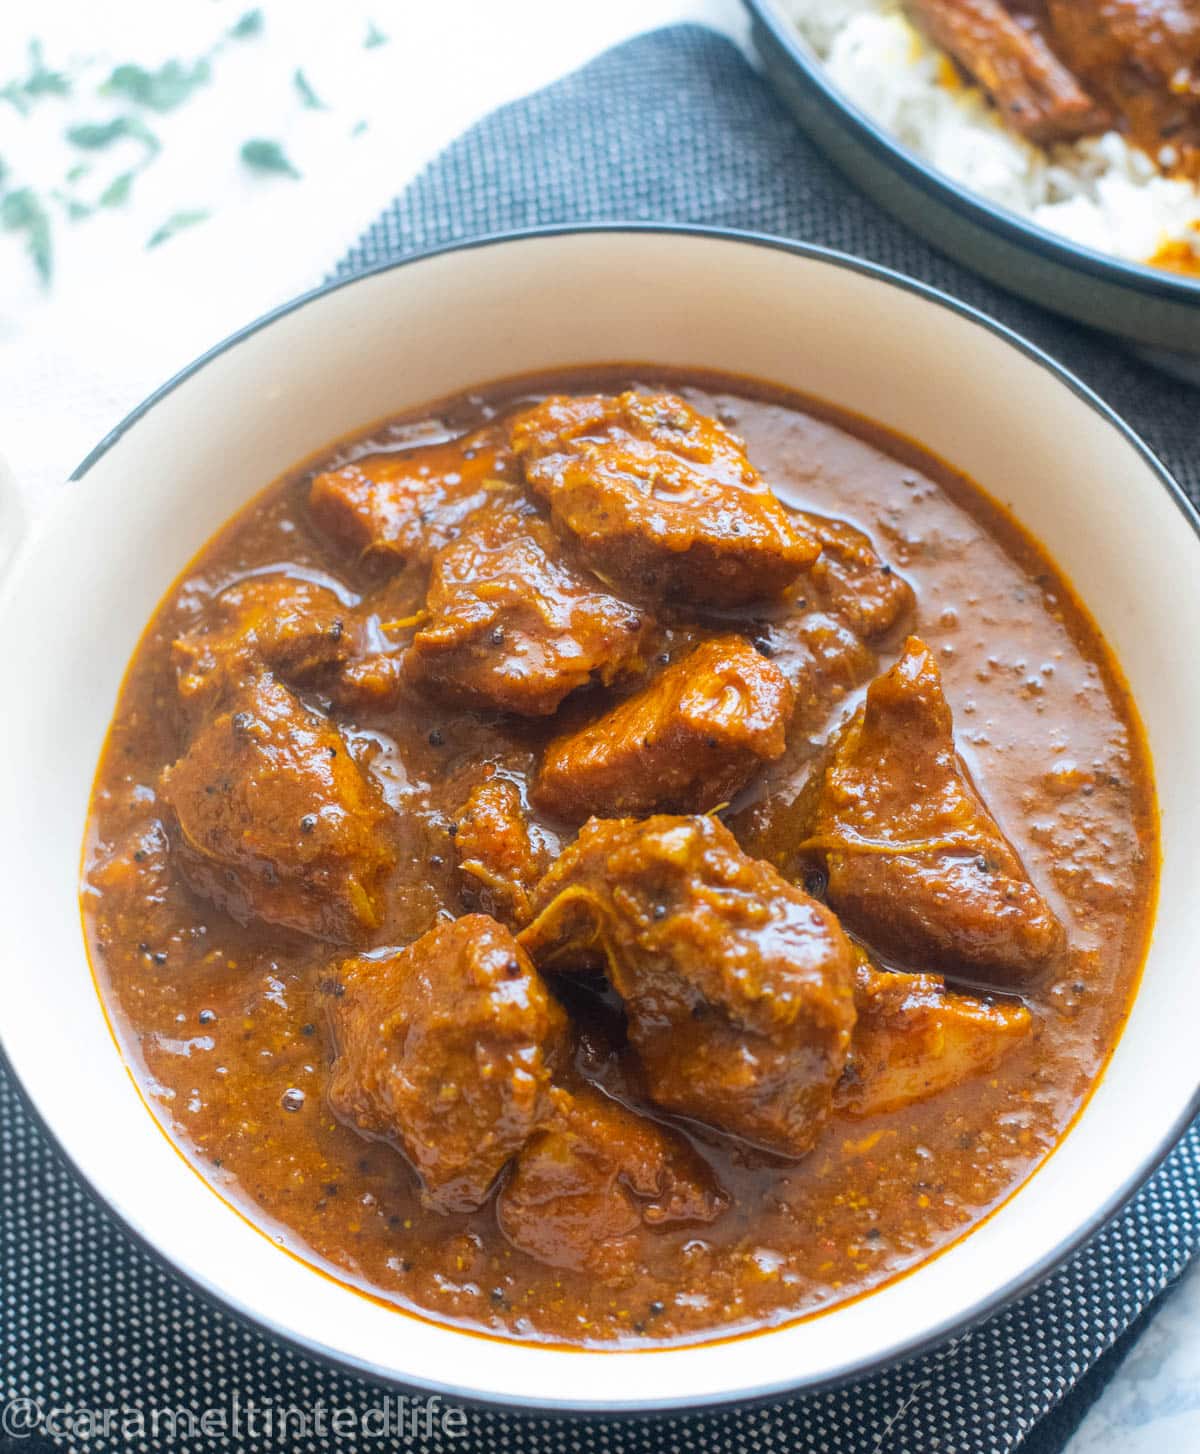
1148, 306
80, 588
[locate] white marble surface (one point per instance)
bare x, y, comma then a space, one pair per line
119, 319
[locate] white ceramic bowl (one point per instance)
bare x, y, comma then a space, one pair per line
81, 589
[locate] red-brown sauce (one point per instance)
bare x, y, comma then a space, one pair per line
227, 1034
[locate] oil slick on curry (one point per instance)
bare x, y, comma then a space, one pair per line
620, 860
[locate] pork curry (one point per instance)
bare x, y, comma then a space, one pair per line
1057, 70
619, 860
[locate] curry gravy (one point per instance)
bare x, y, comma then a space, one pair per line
227, 1033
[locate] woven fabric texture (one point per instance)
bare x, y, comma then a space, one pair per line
671, 126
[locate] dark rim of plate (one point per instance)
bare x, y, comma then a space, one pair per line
810, 72
903, 1349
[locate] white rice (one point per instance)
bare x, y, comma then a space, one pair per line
1099, 192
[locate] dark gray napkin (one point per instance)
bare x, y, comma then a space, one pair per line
676, 126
